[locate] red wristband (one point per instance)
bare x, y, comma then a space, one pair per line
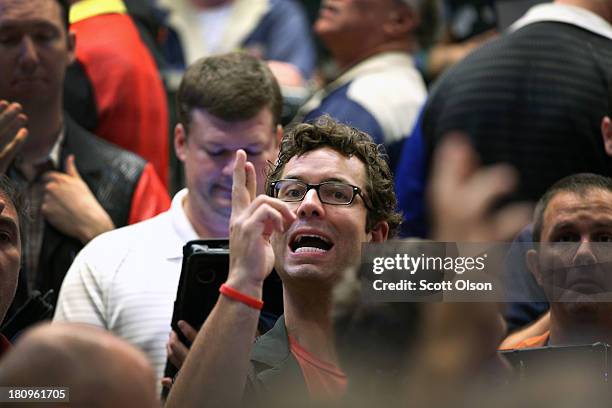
241, 297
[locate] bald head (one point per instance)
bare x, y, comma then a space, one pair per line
100, 369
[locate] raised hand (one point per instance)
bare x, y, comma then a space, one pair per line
253, 221
13, 132
462, 193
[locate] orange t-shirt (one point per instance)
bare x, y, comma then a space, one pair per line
323, 380
531, 342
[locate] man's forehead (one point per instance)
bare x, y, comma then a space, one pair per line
566, 205
8, 212
326, 163
30, 11
259, 128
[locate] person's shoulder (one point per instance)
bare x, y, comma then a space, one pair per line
98, 151
118, 243
392, 96
133, 235
403, 83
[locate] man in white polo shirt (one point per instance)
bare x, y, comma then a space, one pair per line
126, 281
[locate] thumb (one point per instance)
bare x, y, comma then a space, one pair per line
71, 168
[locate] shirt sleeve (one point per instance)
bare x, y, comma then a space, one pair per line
150, 196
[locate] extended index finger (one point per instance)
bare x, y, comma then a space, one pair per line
240, 193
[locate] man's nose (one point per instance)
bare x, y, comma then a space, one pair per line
228, 164
311, 206
585, 254
28, 55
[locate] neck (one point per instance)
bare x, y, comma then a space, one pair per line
198, 221
601, 8
44, 126
346, 58
309, 321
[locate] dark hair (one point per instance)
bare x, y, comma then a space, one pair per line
232, 87
579, 184
65, 12
373, 339
348, 141
9, 190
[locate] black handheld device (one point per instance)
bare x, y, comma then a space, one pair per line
205, 268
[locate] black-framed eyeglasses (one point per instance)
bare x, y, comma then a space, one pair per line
329, 192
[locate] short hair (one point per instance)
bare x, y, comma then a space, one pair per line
348, 141
232, 87
579, 184
17, 198
373, 339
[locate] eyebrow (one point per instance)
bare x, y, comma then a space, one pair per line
9, 223
36, 24
332, 179
566, 224
222, 144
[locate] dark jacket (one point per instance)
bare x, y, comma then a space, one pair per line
112, 174
275, 375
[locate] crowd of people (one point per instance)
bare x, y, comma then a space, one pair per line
302, 144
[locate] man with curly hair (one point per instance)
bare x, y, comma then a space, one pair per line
329, 191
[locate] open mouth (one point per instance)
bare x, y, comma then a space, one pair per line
305, 243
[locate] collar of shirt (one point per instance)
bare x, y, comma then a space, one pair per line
54, 154
563, 13
374, 64
51, 161
181, 224
91, 8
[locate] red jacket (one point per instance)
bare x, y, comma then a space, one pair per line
131, 104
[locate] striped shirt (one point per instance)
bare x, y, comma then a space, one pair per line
126, 280
533, 98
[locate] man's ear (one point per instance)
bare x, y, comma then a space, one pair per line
71, 45
401, 21
380, 232
606, 133
533, 264
180, 142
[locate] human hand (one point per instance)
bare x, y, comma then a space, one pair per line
70, 206
252, 223
13, 132
461, 195
177, 351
